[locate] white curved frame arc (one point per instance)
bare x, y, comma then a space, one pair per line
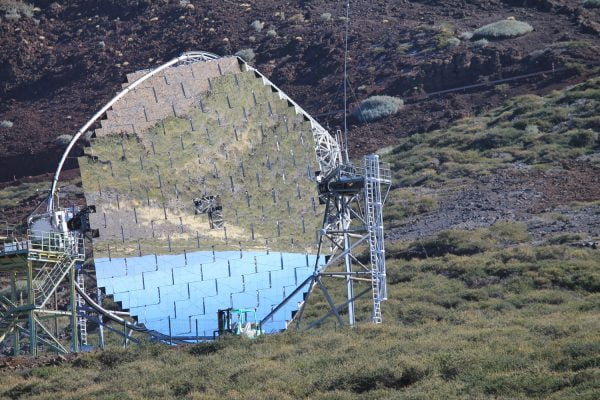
203, 56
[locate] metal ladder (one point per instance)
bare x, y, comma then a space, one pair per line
81, 321
374, 208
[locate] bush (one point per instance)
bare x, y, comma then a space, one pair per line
63, 140
377, 107
326, 16
271, 33
257, 25
206, 348
460, 243
582, 139
504, 29
6, 124
591, 3
480, 43
565, 238
15, 9
297, 18
466, 36
247, 54
502, 88
532, 129
453, 42
507, 233
113, 357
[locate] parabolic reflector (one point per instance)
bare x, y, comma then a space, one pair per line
202, 182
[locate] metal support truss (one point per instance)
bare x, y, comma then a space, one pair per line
352, 223
48, 261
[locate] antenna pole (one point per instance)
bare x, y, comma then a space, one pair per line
346, 158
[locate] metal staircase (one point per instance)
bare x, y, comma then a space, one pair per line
49, 277
8, 320
60, 252
43, 258
374, 177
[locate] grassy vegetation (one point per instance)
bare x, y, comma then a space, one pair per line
506, 323
529, 129
13, 10
404, 203
591, 3
11, 196
445, 36
246, 54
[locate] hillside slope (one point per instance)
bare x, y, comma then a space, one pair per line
500, 323
506, 309
534, 159
61, 61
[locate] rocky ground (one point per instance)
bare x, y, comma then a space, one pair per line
63, 63
547, 201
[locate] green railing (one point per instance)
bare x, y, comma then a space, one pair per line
56, 243
10, 240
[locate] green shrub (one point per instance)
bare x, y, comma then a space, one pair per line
480, 43
272, 33
297, 18
591, 3
582, 139
181, 387
246, 54
532, 129
257, 25
403, 204
495, 138
6, 124
455, 242
15, 9
502, 88
504, 29
63, 140
565, 238
377, 107
113, 357
203, 349
326, 16
453, 42
466, 36
509, 232
22, 390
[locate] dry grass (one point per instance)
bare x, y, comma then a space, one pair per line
501, 323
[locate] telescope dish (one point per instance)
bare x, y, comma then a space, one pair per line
202, 176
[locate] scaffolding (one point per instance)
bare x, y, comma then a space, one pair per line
41, 261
